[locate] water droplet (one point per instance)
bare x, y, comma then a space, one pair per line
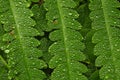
20, 2
63, 1
60, 59
7, 51
16, 5
64, 70
32, 15
71, 63
77, 15
115, 22
56, 61
2, 48
73, 19
106, 77
115, 44
9, 77
13, 63
112, 11
33, 63
108, 70
46, 9
15, 72
28, 4
96, 16
55, 43
63, 78
70, 14
2, 16
72, 23
79, 74
31, 58
118, 49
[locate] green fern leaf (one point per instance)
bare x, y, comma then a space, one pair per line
106, 22
3, 64
45, 43
22, 54
67, 48
39, 17
3, 71
1, 34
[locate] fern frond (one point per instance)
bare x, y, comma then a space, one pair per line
106, 21
3, 63
22, 54
39, 17
3, 69
1, 34
45, 43
67, 48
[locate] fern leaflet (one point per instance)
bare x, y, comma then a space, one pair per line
106, 22
22, 54
67, 48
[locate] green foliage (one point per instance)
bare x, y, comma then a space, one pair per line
106, 20
21, 45
67, 39
59, 40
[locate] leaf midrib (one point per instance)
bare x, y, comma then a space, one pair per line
64, 36
19, 34
107, 23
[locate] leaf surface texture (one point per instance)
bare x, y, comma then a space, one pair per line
106, 21
67, 47
22, 54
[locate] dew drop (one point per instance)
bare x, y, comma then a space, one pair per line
77, 79
2, 16
77, 15
115, 22
96, 16
60, 59
9, 77
7, 51
13, 63
72, 23
20, 2
63, 78
28, 4
112, 11
54, 17
16, 5
31, 58
64, 70
32, 15
33, 63
55, 43
46, 9
108, 70
2, 48
115, 44
70, 14
106, 77
79, 74
56, 61
63, 1
15, 72
118, 49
